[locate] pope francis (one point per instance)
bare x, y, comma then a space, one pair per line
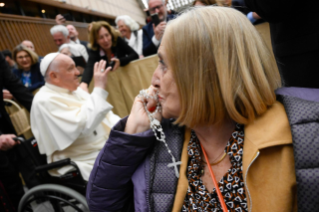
68, 122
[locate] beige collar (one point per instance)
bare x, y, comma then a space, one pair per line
270, 129
57, 88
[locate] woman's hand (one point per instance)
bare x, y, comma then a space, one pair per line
138, 120
100, 74
117, 63
84, 87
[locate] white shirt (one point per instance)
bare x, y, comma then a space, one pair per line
71, 125
136, 42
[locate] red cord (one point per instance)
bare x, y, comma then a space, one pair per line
219, 194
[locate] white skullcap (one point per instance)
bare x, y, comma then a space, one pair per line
46, 61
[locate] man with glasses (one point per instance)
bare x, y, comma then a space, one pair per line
152, 35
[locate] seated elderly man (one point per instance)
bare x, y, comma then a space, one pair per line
68, 122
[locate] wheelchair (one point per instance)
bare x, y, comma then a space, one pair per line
64, 193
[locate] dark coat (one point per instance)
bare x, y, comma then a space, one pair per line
148, 47
9, 176
122, 51
139, 156
294, 35
37, 79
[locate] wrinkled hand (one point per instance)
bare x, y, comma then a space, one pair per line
6, 142
138, 120
100, 78
84, 87
6, 94
117, 63
59, 19
159, 30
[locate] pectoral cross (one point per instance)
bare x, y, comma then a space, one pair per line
175, 164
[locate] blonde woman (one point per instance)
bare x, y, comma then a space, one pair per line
28, 70
223, 127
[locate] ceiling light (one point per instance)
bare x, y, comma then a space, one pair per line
2, 4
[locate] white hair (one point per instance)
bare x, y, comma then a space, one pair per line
60, 28
133, 25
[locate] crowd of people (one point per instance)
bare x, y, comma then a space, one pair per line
216, 130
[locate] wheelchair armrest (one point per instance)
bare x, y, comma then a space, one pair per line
53, 165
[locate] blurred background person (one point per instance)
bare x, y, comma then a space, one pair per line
74, 35
28, 70
71, 51
10, 182
130, 32
60, 35
152, 35
29, 44
106, 44
8, 57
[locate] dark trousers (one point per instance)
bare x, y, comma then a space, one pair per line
9, 177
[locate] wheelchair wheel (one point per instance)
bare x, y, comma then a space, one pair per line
51, 197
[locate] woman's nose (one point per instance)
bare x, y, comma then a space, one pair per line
156, 78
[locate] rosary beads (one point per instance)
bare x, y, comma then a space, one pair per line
157, 127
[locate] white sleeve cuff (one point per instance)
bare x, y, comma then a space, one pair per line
155, 41
100, 92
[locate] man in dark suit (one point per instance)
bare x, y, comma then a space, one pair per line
9, 175
295, 38
152, 35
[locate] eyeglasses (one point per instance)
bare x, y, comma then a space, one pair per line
21, 57
153, 9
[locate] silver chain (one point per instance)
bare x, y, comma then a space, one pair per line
156, 127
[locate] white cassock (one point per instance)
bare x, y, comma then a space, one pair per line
71, 125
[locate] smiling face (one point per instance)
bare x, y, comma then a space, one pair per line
163, 79
104, 39
24, 60
159, 7
66, 74
59, 39
124, 29
73, 33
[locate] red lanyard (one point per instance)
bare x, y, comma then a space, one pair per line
219, 194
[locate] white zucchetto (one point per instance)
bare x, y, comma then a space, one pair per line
46, 61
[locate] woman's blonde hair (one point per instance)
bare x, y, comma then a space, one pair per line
94, 32
34, 57
221, 66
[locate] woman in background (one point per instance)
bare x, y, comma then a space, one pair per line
28, 67
105, 44
130, 32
